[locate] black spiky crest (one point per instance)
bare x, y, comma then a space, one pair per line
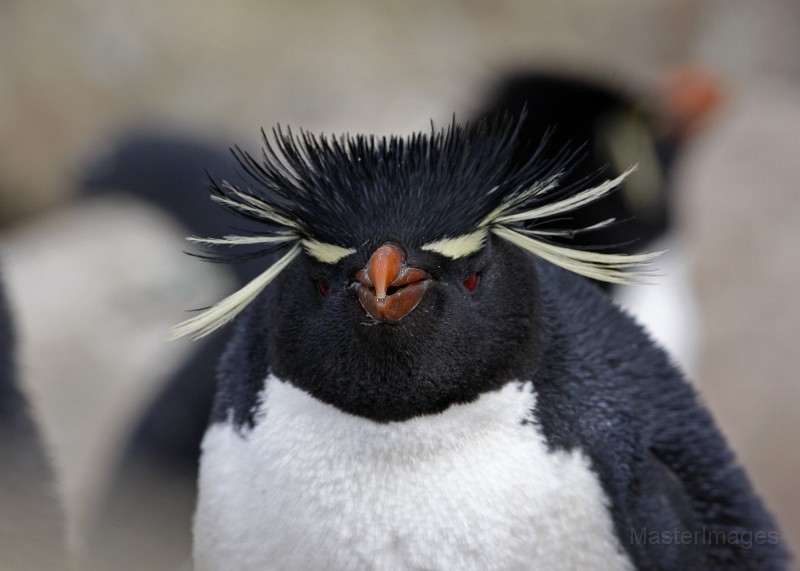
347, 190
442, 191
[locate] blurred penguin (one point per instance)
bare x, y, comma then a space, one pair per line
609, 127
149, 504
31, 519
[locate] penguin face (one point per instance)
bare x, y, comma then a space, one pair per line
471, 326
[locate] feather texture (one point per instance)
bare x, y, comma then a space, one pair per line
614, 268
460, 246
326, 253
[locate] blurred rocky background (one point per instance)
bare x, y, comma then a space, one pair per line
95, 280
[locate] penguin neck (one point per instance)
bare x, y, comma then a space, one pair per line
292, 410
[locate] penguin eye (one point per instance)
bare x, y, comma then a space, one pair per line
471, 282
323, 288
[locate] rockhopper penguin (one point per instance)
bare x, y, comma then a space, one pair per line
427, 384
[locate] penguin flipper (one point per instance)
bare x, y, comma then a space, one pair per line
244, 366
720, 513
660, 511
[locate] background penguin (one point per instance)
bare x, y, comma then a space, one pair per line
611, 126
157, 465
31, 523
610, 130
423, 387
166, 170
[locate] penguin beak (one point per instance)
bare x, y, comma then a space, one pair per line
388, 289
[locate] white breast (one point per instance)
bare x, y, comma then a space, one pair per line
472, 488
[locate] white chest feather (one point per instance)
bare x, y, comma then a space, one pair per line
473, 488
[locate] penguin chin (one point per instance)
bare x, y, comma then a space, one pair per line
394, 372
390, 371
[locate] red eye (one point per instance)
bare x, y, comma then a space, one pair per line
471, 282
323, 289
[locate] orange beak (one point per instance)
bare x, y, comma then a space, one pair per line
387, 288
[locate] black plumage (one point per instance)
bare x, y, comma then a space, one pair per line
657, 450
405, 184
602, 385
416, 189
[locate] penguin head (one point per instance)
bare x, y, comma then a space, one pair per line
405, 281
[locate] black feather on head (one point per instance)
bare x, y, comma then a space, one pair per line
443, 191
